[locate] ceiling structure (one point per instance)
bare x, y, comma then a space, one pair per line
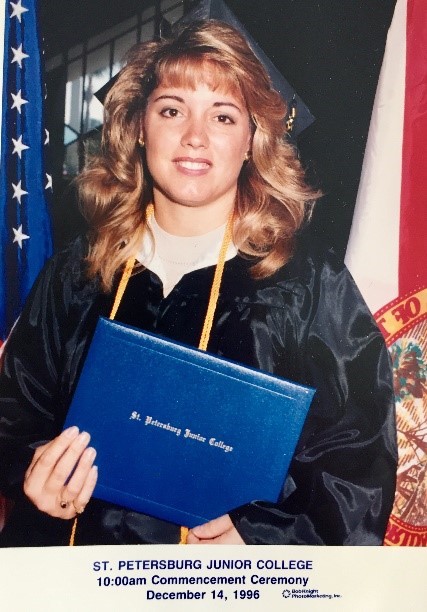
65, 23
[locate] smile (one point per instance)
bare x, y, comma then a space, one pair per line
187, 164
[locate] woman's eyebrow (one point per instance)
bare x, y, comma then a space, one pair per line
179, 99
169, 97
216, 104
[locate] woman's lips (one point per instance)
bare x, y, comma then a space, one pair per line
192, 166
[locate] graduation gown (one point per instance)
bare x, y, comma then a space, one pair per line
307, 323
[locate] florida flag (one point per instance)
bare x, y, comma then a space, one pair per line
387, 252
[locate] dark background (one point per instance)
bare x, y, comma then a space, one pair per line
329, 50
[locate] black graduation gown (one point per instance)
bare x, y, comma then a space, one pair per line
307, 323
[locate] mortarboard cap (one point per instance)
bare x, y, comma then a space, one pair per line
299, 116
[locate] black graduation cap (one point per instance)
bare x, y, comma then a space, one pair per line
299, 116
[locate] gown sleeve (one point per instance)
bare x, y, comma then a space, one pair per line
39, 366
340, 485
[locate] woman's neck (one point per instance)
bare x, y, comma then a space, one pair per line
181, 220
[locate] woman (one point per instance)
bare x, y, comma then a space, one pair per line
193, 127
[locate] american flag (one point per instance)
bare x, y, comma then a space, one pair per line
25, 229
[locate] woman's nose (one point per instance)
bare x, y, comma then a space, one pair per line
195, 134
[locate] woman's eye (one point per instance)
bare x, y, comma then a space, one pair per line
224, 119
170, 112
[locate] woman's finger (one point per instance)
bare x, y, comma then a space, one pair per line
231, 536
218, 531
213, 528
59, 444
58, 474
65, 507
82, 499
74, 486
35, 458
193, 539
44, 460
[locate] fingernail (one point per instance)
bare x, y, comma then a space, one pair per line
90, 453
71, 432
84, 437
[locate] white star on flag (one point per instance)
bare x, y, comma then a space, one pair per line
18, 192
19, 146
46, 140
18, 55
23, 163
17, 10
49, 181
19, 236
18, 101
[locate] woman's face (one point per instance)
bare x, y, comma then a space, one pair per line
196, 141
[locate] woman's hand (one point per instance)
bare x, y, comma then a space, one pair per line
47, 481
219, 531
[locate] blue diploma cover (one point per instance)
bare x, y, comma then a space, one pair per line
181, 434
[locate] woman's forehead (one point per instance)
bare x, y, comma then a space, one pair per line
191, 75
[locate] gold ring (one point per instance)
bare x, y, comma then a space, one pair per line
79, 510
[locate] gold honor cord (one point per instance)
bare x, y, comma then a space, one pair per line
207, 325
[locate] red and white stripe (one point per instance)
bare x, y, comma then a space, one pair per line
386, 252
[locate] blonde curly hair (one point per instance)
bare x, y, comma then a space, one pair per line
273, 198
